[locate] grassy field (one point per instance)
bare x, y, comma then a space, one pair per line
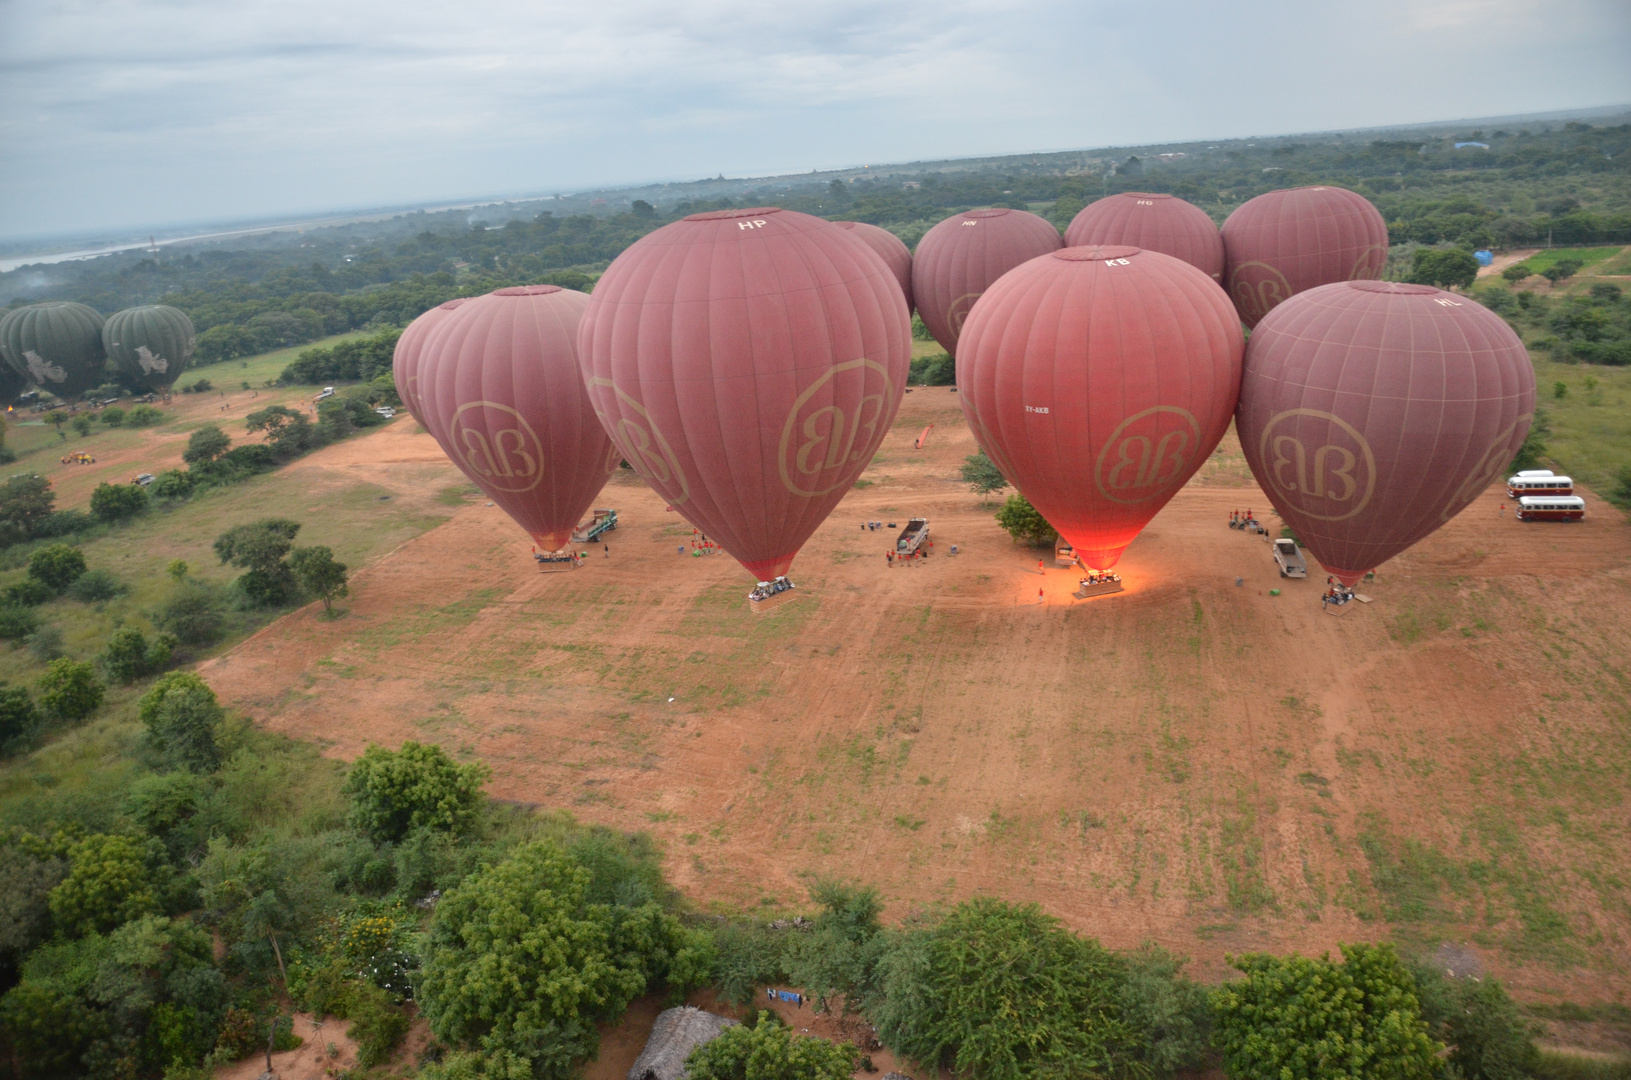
1591, 423
1590, 256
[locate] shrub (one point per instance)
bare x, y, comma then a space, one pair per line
205, 445
69, 689
183, 716
116, 502
418, 787
17, 622
25, 503
937, 370
1172, 1012
768, 1050
1297, 1016
128, 656
109, 883
172, 485
377, 1023
56, 565
143, 416
65, 523
1516, 272
1489, 1039
1024, 523
95, 586
82, 424
29, 592
19, 719
44, 644
113, 416
193, 612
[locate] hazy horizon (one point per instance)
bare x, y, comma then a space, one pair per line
150, 116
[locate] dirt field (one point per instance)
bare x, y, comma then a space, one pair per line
1193, 761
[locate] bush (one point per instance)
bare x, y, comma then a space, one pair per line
69, 689
19, 719
194, 613
205, 445
109, 883
143, 416
17, 622
1024, 523
937, 370
65, 523
128, 656
172, 485
1516, 272
56, 565
95, 586
29, 592
770, 1050
44, 644
116, 502
259, 549
183, 716
419, 787
1489, 1039
983, 994
377, 1023
113, 416
1173, 1013
1297, 1016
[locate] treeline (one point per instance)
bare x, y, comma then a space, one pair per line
1592, 327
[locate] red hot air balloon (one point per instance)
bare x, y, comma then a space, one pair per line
501, 393
890, 248
409, 347
1284, 242
1372, 412
1161, 223
959, 258
748, 363
1098, 380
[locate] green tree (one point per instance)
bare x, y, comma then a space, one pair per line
115, 502
1022, 521
193, 612
1563, 268
1444, 267
83, 425
110, 881
982, 475
1560, 390
1299, 1018
988, 992
318, 573
57, 418
1488, 1036
56, 565
770, 1051
206, 445
1172, 1013
69, 689
418, 787
840, 953
183, 718
128, 656
25, 503
19, 719
517, 960
259, 548
113, 416
1516, 272
288, 432
171, 485
143, 416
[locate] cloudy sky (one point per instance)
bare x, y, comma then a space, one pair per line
143, 112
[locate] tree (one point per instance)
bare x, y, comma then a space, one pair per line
113, 416
1022, 521
193, 612
1173, 1013
115, 502
1563, 268
1516, 272
128, 656
982, 475
518, 961
110, 881
206, 445
57, 418
418, 787
56, 566
319, 574
288, 432
25, 503
840, 953
182, 716
1300, 1018
770, 1051
984, 992
258, 548
171, 485
19, 719
1443, 267
83, 425
69, 689
1489, 1038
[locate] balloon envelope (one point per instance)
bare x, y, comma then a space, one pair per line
57, 346
1283, 242
150, 344
409, 348
890, 248
1098, 380
1372, 412
500, 387
959, 258
1163, 223
748, 363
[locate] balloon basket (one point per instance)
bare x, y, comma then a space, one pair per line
773, 601
1339, 610
558, 562
1103, 588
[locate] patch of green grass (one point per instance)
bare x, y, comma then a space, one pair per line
1545, 260
1591, 443
1573, 1065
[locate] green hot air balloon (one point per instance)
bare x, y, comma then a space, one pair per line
57, 346
151, 344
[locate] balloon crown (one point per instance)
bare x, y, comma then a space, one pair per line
987, 212
1143, 195
526, 290
1097, 253
1403, 288
726, 215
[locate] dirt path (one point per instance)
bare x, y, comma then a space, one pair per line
1193, 760
1506, 259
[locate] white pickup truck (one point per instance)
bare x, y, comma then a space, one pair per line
1292, 563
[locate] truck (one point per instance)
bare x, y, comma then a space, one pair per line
601, 520
1063, 553
911, 538
1290, 558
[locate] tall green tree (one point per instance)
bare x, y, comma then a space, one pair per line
1025, 523
56, 565
183, 720
69, 689
981, 474
393, 793
260, 549
206, 445
320, 574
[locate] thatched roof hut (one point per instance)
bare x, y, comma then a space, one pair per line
676, 1033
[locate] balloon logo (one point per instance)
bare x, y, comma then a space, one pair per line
496, 443
820, 445
1257, 287
1147, 454
1321, 484
643, 440
1494, 463
957, 313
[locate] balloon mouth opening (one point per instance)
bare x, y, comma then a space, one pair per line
527, 290
1350, 578
769, 569
549, 543
1402, 288
729, 215
1097, 253
1144, 195
988, 212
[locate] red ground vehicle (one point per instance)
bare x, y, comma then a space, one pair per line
1519, 486
1551, 508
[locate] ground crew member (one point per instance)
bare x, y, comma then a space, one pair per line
608, 549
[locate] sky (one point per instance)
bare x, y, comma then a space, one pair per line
135, 113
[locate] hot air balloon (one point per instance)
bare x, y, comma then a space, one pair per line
410, 346
1098, 380
748, 363
501, 393
56, 345
959, 258
1161, 223
151, 344
1284, 242
891, 248
1372, 412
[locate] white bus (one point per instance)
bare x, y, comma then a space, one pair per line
1551, 508
1519, 486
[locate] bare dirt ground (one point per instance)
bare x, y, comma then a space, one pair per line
1192, 761
1506, 259
311, 1060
